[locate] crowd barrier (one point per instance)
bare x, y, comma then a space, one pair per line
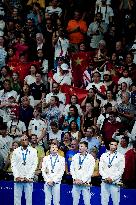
128, 196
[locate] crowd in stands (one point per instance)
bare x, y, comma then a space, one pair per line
68, 74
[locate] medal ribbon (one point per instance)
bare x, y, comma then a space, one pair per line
81, 161
24, 155
53, 164
110, 161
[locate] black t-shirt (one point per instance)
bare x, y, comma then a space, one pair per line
37, 90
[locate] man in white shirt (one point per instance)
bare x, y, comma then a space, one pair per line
54, 132
106, 11
15, 126
133, 50
37, 126
5, 94
3, 52
99, 87
104, 116
81, 169
60, 43
133, 132
56, 92
111, 168
5, 142
54, 9
53, 168
124, 139
96, 30
64, 75
24, 163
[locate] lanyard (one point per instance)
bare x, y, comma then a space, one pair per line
81, 161
110, 161
24, 155
53, 164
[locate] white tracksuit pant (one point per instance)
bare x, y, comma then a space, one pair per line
76, 191
107, 190
52, 191
18, 188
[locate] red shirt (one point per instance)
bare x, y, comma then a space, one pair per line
76, 37
109, 129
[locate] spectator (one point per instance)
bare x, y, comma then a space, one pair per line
106, 11
129, 177
56, 143
42, 59
54, 133
41, 3
69, 154
133, 50
15, 126
110, 127
74, 130
72, 115
77, 29
91, 98
101, 54
103, 117
36, 15
89, 117
26, 92
3, 53
126, 111
122, 90
40, 155
109, 99
96, 30
111, 37
96, 176
66, 142
133, 94
60, 43
38, 89
54, 9
41, 43
93, 142
21, 47
119, 51
124, 139
5, 142
130, 66
107, 79
53, 113
25, 111
37, 125
125, 78
15, 82
63, 76
98, 86
29, 79
5, 74
5, 94
55, 92
73, 101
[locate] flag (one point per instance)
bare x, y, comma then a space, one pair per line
21, 68
80, 61
70, 90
